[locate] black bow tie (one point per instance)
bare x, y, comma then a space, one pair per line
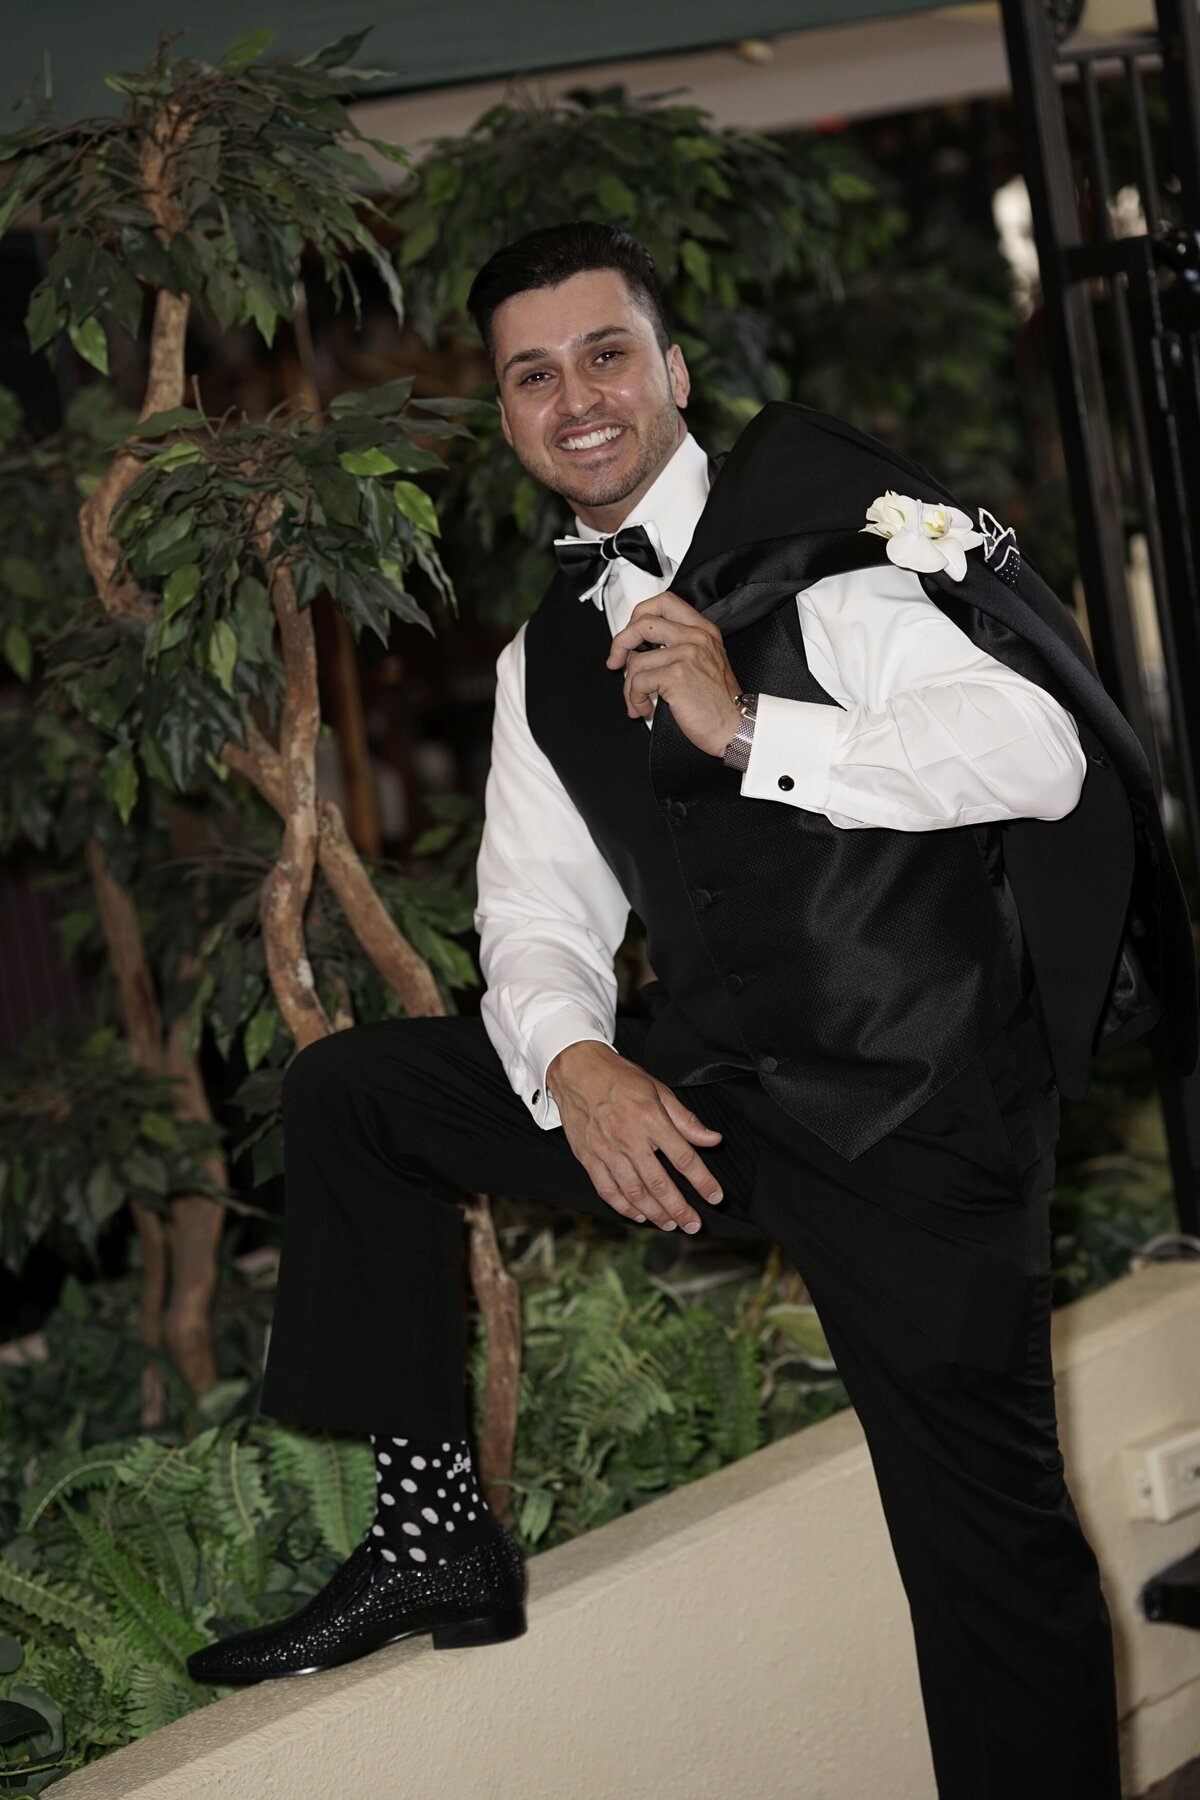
583, 560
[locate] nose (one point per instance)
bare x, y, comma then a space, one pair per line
577, 396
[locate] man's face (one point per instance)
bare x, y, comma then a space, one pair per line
579, 362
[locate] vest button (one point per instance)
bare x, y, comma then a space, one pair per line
702, 897
768, 1064
677, 809
1099, 759
735, 984
786, 783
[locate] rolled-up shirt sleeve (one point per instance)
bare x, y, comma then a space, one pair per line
550, 914
929, 731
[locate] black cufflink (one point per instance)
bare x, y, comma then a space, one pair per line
786, 783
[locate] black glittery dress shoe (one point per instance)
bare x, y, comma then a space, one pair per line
476, 1598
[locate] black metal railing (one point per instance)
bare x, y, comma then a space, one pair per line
1144, 288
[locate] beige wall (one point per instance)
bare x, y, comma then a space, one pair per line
745, 1636
804, 77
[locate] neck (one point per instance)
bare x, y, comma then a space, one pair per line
612, 517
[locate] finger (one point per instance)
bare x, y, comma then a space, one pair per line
690, 1165
651, 629
684, 1119
661, 1188
639, 1195
668, 657
607, 1188
669, 605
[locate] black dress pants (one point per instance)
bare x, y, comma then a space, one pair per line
927, 1258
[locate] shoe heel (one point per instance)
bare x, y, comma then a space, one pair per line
494, 1628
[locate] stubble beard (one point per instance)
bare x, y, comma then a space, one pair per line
657, 447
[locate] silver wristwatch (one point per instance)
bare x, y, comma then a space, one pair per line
737, 750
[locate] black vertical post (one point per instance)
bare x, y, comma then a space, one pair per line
1075, 358
1179, 34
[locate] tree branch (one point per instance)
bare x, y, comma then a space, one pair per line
287, 887
405, 972
168, 133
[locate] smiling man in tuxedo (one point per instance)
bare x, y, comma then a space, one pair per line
900, 869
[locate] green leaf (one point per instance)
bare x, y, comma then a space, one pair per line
245, 50
697, 262
176, 418
262, 312
525, 504
18, 651
11, 415
223, 653
11, 1657
160, 1128
89, 340
105, 1195
22, 578
120, 780
260, 1032
254, 622
845, 184
368, 462
615, 197
177, 456
43, 316
416, 505
442, 181
418, 243
180, 588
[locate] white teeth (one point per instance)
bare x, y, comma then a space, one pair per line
593, 438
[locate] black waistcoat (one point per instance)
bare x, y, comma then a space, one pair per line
856, 971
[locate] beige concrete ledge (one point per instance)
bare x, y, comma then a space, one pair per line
746, 1635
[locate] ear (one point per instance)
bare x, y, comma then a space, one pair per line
677, 372
504, 425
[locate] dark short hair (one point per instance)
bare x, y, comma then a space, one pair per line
547, 257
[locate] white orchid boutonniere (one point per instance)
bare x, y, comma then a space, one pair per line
923, 534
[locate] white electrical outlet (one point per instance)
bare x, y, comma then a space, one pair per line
1162, 1474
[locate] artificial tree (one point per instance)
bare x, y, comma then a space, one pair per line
206, 541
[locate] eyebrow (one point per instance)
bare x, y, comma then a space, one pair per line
578, 343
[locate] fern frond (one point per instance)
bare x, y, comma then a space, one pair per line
235, 1487
336, 1478
142, 1610
66, 1475
53, 1602
165, 1475
154, 1699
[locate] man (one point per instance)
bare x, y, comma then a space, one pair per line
845, 771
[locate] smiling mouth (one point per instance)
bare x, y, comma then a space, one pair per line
592, 440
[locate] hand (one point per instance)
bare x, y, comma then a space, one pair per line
691, 670
615, 1117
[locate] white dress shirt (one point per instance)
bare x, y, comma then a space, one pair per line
928, 732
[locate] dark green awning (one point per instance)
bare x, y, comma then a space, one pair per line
427, 43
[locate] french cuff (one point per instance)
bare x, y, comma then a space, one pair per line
569, 1025
792, 752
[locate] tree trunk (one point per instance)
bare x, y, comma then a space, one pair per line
500, 1307
194, 1237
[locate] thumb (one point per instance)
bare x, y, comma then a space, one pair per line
684, 1119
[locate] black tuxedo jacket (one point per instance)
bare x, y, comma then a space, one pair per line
1105, 922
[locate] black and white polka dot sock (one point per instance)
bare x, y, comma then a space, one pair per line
428, 1507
